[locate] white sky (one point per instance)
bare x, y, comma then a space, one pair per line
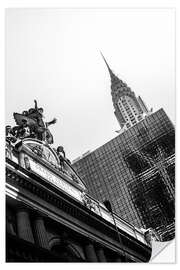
52, 55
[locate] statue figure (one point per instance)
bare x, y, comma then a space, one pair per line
150, 235
61, 154
88, 202
31, 124
22, 131
10, 139
10, 135
64, 166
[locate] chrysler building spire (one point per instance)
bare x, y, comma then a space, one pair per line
114, 78
129, 109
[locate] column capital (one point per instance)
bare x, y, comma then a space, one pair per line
90, 241
98, 245
23, 208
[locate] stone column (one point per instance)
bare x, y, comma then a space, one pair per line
9, 222
24, 226
9, 227
90, 253
101, 255
40, 232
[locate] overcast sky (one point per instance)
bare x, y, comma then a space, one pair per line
52, 55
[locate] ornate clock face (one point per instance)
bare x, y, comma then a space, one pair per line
43, 151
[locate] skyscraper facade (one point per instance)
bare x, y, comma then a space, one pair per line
136, 169
136, 172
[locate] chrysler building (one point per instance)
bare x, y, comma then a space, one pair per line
129, 109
